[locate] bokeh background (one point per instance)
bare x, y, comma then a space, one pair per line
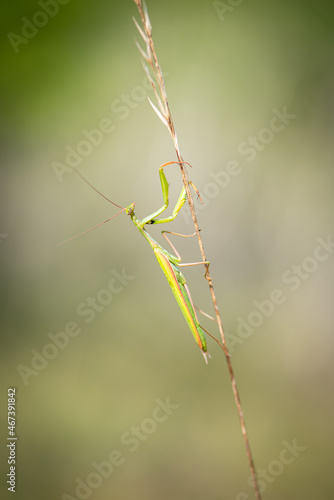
228, 67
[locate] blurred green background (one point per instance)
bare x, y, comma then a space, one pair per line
230, 68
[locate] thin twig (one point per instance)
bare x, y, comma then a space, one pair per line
166, 117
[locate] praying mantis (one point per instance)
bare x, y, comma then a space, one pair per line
168, 262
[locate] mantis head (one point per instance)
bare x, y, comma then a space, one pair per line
130, 210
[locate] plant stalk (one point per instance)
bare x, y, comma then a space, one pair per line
151, 58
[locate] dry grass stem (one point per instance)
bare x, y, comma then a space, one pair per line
163, 112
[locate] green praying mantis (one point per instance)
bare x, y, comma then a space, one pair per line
168, 262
